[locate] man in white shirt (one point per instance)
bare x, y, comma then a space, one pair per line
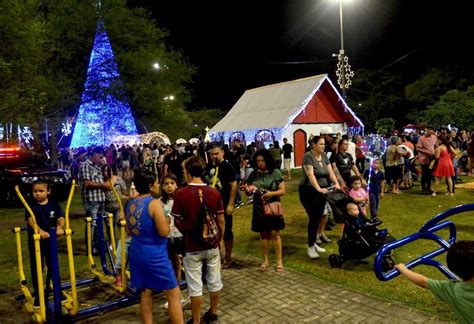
352, 147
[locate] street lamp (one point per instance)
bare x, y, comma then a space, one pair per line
343, 71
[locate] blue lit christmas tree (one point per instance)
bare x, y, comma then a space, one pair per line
104, 114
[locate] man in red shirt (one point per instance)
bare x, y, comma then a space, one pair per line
426, 148
185, 211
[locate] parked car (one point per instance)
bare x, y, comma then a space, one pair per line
22, 169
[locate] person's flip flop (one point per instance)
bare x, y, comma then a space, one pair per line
279, 268
227, 265
263, 267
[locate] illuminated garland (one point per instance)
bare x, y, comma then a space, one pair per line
250, 135
343, 72
104, 112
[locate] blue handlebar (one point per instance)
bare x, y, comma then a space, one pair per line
427, 232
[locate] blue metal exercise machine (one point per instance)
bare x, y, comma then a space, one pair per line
426, 232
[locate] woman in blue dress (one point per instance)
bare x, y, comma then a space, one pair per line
150, 267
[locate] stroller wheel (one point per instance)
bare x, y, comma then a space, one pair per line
335, 261
388, 263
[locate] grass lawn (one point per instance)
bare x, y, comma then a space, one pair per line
402, 214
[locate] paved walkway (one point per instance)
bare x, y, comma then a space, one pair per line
253, 297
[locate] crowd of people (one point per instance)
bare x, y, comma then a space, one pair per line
160, 232
163, 217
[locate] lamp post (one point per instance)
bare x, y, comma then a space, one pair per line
343, 71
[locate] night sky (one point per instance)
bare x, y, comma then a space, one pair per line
238, 45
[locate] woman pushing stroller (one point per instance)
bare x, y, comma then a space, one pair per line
313, 187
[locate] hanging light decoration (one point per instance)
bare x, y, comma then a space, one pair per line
25, 134
343, 72
66, 129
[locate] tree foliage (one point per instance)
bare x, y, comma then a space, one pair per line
385, 125
436, 81
376, 95
428, 89
45, 53
428, 99
138, 43
455, 107
24, 86
205, 118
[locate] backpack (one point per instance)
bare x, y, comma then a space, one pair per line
206, 233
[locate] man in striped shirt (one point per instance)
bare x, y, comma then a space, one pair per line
93, 189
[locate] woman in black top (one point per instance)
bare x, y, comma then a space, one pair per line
343, 163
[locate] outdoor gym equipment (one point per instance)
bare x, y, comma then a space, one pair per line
56, 313
426, 232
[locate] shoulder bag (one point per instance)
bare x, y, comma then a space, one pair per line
272, 209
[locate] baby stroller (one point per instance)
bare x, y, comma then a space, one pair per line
357, 243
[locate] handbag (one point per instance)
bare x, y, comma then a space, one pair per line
273, 209
458, 153
432, 164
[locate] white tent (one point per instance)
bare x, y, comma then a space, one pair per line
293, 110
273, 106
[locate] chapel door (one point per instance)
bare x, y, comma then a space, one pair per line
299, 146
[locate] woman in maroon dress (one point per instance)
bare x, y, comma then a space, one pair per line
444, 168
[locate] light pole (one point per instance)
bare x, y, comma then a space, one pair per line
343, 71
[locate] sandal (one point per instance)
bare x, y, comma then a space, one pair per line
263, 267
227, 265
279, 268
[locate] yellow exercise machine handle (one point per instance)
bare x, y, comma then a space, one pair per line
122, 224
90, 259
21, 272
110, 221
39, 268
70, 254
